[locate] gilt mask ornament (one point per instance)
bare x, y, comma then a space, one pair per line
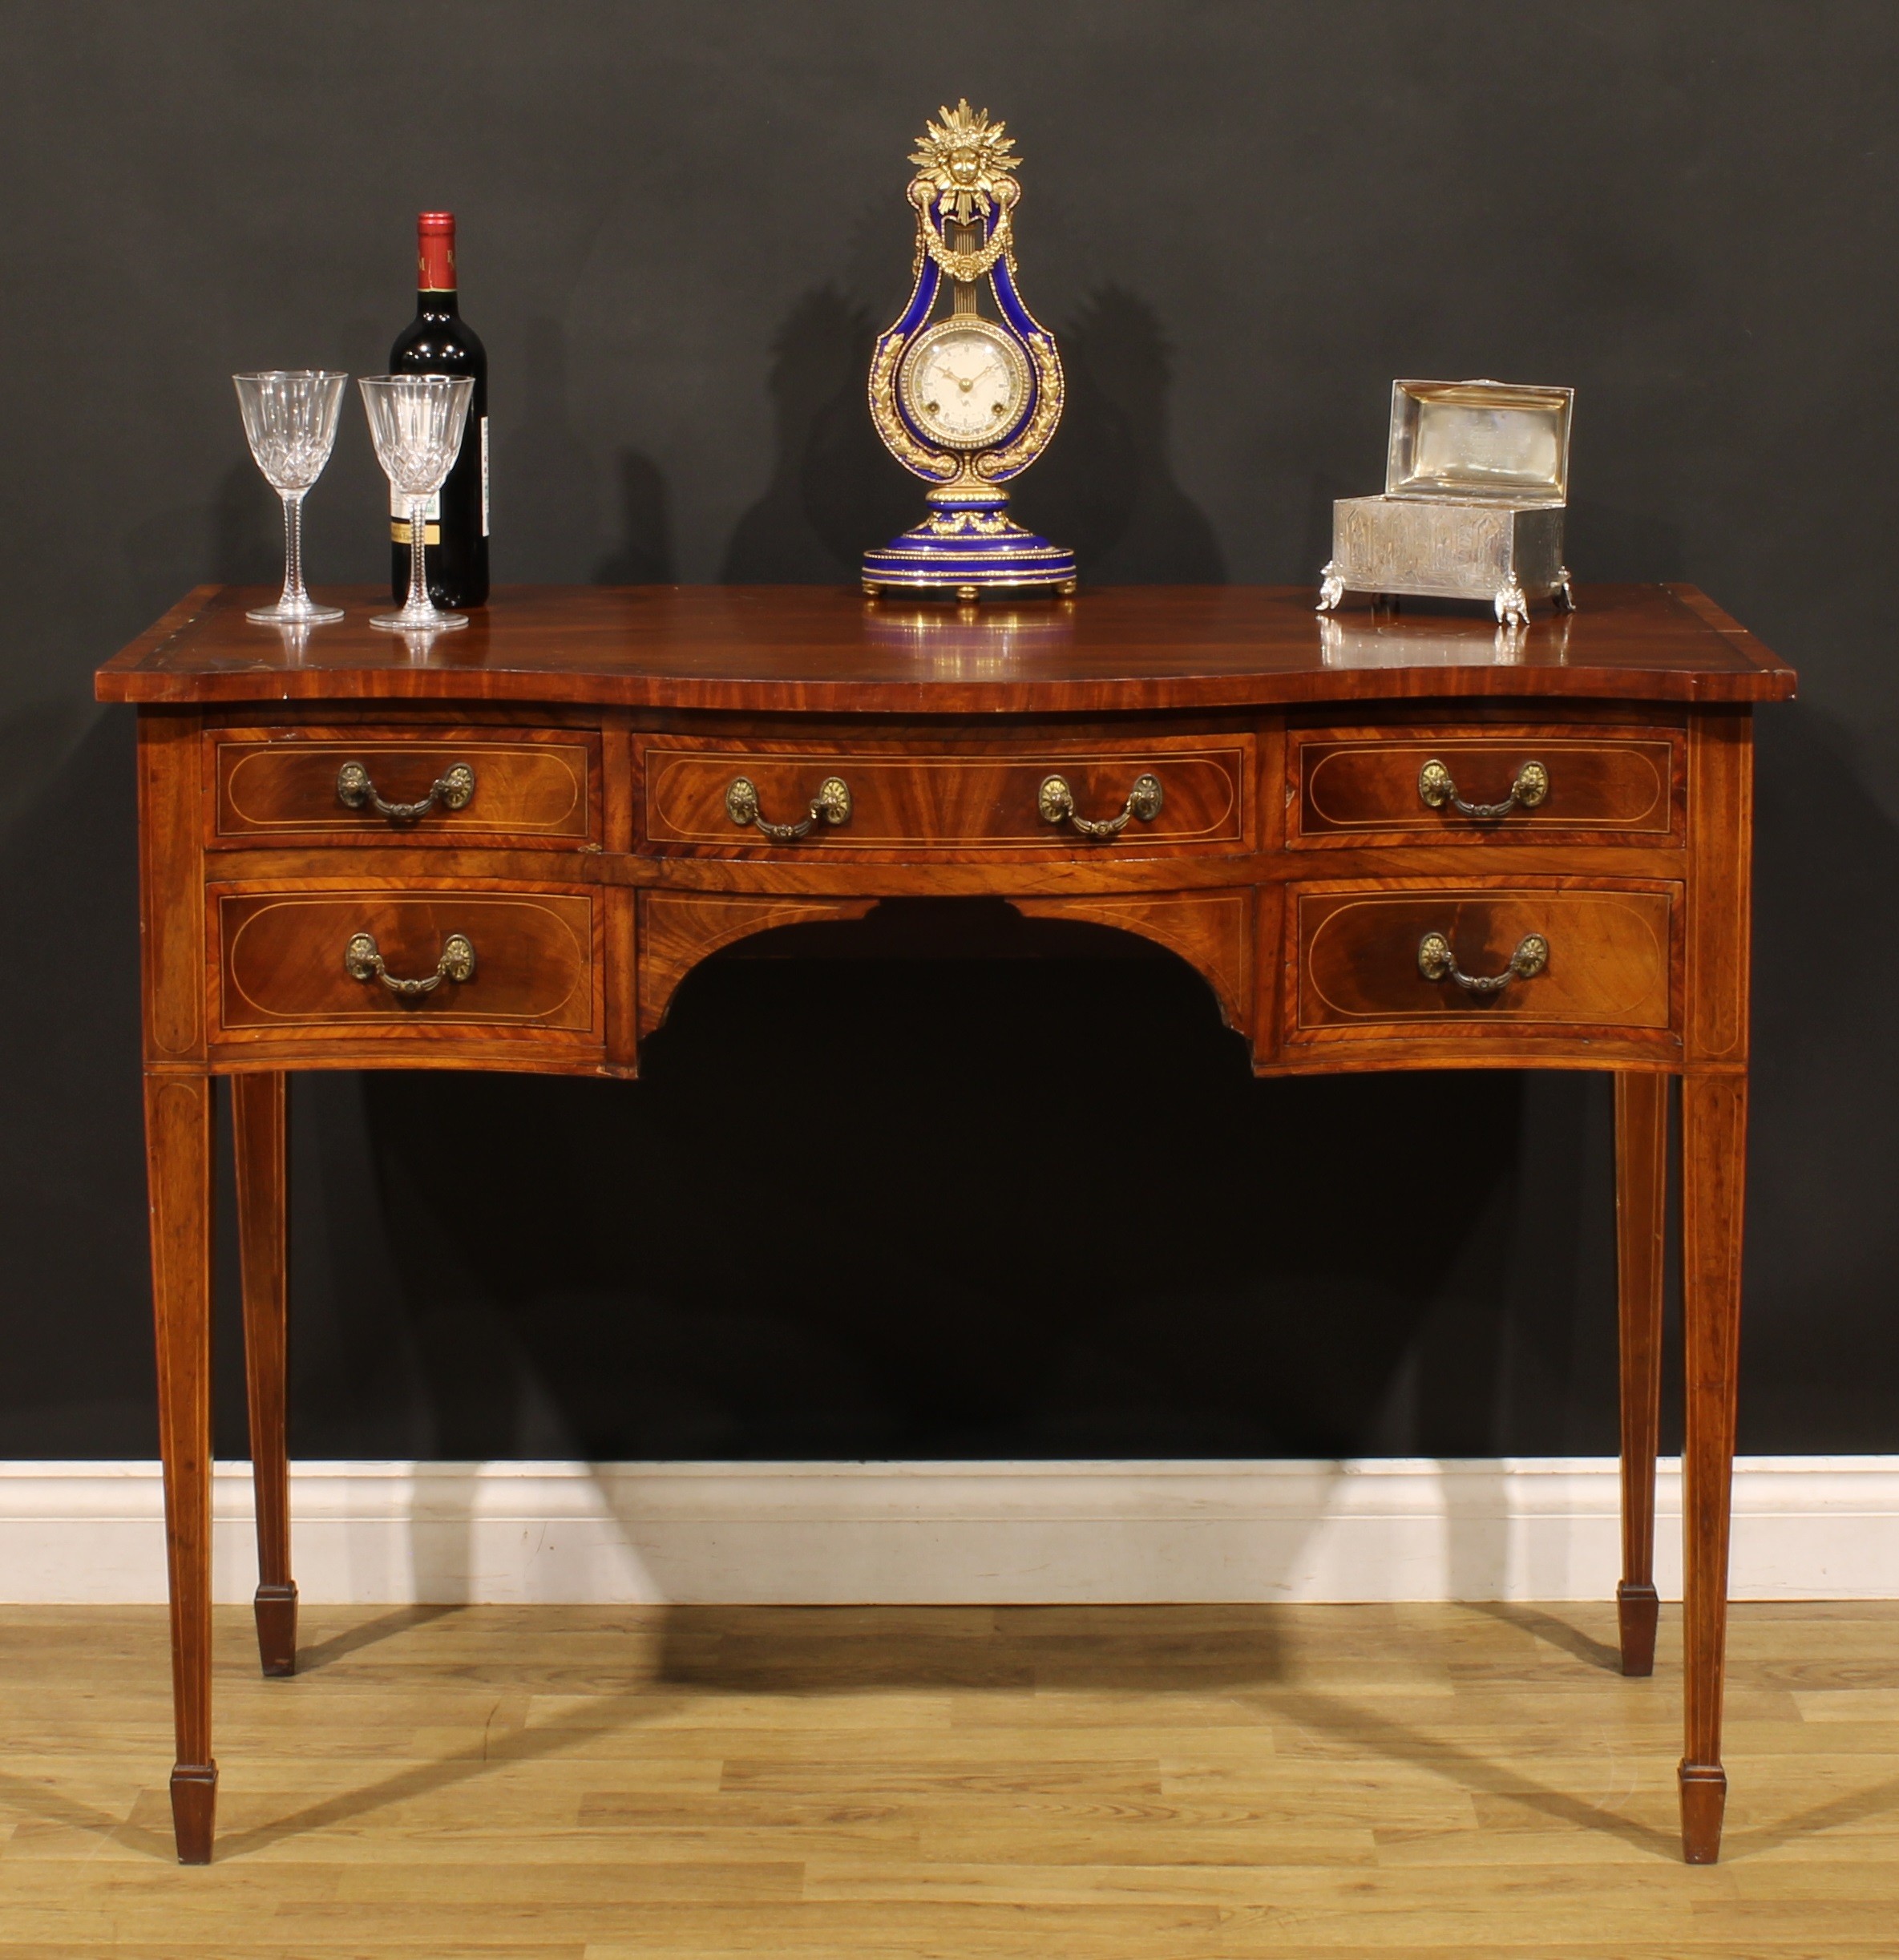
965, 395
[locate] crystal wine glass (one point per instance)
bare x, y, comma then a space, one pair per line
290, 418
416, 422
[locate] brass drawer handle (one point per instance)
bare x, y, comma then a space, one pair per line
1437, 789
453, 789
362, 962
1437, 962
1056, 802
831, 805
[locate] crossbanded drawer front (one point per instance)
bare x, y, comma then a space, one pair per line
1378, 959
404, 787
421, 959
1479, 785
996, 801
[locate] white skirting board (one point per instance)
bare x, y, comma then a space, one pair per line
827, 1533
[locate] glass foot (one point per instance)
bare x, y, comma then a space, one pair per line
419, 619
289, 612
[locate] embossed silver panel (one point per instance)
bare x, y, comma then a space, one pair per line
1445, 551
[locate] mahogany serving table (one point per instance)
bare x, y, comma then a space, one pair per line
1387, 840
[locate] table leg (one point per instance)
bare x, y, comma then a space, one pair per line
1641, 1185
1714, 1154
257, 1106
179, 1122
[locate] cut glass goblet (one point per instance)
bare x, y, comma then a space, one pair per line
290, 420
416, 422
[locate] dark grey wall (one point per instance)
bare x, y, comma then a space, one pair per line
680, 223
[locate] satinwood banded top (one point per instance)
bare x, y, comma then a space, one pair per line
797, 648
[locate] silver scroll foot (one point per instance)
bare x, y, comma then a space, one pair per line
1564, 598
1513, 608
1331, 588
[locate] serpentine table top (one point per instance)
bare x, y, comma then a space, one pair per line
804, 649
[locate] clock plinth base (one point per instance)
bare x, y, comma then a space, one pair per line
969, 545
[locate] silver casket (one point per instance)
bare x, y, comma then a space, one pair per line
1475, 479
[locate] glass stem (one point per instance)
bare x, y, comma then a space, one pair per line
294, 596
418, 536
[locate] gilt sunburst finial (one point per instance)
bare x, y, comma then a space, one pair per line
965, 158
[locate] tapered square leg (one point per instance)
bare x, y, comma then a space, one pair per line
1704, 1802
1637, 1612
179, 1119
1714, 1149
194, 1811
275, 1609
1641, 1189
258, 1105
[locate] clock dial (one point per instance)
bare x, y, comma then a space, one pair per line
964, 382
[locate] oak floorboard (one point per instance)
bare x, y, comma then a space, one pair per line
1192, 1783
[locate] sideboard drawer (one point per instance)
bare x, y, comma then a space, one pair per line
396, 785
306, 961
1000, 797
1473, 785
1375, 959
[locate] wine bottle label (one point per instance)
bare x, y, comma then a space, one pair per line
398, 507
484, 476
398, 533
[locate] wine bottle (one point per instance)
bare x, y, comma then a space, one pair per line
438, 342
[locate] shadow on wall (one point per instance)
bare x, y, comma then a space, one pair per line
554, 532
834, 490
552, 529
237, 537
644, 556
967, 1289
1003, 1251
1105, 487
247, 544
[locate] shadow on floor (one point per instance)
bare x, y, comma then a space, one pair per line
385, 1627
672, 1657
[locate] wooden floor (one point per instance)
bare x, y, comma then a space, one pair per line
1177, 1782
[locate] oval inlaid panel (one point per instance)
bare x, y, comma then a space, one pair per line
1349, 787
1608, 962
288, 787
283, 959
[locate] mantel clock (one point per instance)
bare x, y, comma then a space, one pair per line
964, 397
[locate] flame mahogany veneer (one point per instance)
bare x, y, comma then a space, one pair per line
544, 920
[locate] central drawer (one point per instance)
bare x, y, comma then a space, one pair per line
425, 960
1174, 795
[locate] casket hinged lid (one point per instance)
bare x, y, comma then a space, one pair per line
1479, 442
